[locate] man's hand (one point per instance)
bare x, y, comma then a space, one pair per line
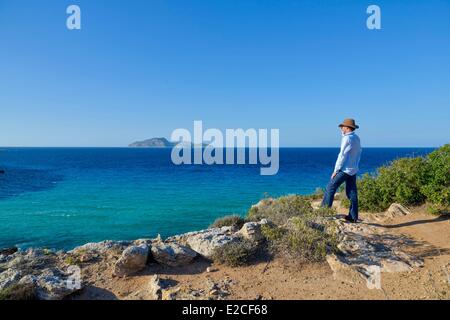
333, 175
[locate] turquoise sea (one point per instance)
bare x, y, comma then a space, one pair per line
63, 197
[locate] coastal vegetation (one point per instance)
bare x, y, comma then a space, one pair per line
296, 229
235, 254
292, 229
410, 181
229, 221
280, 210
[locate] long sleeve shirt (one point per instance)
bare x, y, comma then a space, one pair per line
350, 154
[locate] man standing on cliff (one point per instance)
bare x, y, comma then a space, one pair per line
347, 166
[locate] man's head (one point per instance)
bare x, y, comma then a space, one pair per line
348, 125
346, 130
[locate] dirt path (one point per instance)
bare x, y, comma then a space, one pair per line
423, 235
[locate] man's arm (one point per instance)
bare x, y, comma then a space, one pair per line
343, 154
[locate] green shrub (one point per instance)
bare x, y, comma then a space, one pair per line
235, 254
279, 211
306, 242
302, 239
297, 230
409, 181
403, 180
229, 221
437, 190
273, 233
19, 292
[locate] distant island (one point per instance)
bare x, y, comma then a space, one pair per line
153, 143
161, 143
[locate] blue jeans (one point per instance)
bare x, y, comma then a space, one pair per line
350, 190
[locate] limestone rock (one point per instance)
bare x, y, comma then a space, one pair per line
341, 270
133, 259
172, 254
52, 285
394, 265
251, 231
148, 242
155, 287
397, 210
367, 250
411, 260
9, 278
206, 241
101, 247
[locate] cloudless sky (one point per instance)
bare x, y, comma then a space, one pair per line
140, 69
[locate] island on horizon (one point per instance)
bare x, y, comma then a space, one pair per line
162, 143
153, 143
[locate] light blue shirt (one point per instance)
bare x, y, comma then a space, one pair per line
348, 158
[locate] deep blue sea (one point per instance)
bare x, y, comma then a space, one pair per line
63, 197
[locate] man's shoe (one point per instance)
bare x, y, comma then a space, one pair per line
350, 219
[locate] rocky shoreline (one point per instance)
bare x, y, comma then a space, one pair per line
58, 275
53, 276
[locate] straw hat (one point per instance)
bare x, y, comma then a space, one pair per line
349, 123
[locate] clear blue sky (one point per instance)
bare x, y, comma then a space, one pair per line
140, 69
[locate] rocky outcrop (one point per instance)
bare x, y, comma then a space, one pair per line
206, 241
50, 284
101, 247
155, 287
9, 278
172, 254
47, 272
42, 271
342, 270
365, 250
133, 260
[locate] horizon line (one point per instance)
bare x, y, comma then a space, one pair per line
128, 147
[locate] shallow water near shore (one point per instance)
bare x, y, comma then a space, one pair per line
63, 197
